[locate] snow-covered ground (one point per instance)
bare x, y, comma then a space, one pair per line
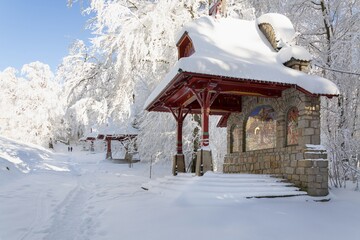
79, 195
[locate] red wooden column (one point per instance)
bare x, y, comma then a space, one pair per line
179, 144
179, 159
205, 114
108, 148
205, 98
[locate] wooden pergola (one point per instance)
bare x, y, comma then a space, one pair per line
117, 137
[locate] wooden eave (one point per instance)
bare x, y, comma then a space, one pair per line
179, 92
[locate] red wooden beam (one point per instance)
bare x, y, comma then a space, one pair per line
179, 114
205, 98
223, 120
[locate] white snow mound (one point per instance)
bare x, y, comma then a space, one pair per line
298, 52
27, 158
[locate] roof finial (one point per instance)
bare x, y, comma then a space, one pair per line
217, 8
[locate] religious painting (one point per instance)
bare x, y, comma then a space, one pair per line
260, 130
292, 135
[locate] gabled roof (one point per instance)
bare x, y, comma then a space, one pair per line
237, 49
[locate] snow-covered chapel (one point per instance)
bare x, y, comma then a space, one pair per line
254, 75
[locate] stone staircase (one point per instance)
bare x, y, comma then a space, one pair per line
217, 187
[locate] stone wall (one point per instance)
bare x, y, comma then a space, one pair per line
301, 164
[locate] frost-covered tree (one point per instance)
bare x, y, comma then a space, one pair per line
84, 94
135, 41
30, 109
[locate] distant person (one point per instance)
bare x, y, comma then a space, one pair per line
70, 149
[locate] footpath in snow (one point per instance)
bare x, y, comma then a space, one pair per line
79, 195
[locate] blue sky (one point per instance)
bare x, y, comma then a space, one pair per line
38, 30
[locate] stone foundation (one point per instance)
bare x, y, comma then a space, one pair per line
310, 175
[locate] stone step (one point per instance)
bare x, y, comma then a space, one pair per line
201, 199
213, 186
232, 183
315, 155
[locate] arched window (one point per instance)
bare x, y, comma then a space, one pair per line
292, 130
260, 129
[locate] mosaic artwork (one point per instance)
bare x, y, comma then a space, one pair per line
261, 129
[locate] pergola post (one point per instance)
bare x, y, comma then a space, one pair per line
204, 159
108, 148
179, 159
205, 113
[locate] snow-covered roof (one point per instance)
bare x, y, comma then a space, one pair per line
111, 129
237, 48
118, 130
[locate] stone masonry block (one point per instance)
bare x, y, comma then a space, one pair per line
324, 170
318, 192
303, 124
315, 139
319, 179
308, 131
305, 163
289, 170
304, 178
311, 178
315, 155
322, 164
315, 123
295, 177
300, 171
267, 165
313, 171
293, 164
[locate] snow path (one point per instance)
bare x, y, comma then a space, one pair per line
100, 200
77, 216
64, 224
